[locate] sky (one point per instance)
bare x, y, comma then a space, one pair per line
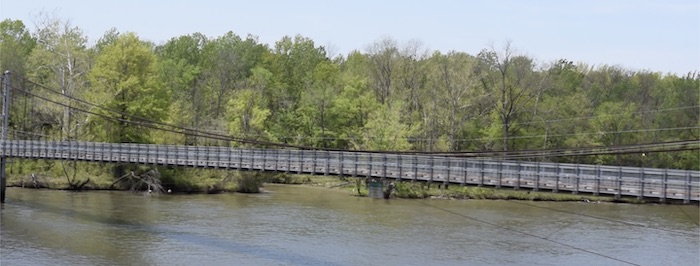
660, 36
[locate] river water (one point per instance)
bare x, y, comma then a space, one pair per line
297, 225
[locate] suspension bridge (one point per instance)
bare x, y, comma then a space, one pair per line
617, 181
664, 184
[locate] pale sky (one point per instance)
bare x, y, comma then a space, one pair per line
656, 35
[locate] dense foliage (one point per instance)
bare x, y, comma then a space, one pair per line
386, 96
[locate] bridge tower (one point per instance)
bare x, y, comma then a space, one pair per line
5, 120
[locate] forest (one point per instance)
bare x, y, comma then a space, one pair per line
391, 95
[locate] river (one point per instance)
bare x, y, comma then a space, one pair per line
298, 225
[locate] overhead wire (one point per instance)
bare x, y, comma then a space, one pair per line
688, 216
607, 115
182, 130
516, 137
205, 134
531, 235
143, 119
550, 154
621, 149
148, 125
602, 218
138, 123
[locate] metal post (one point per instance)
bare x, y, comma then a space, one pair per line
370, 165
230, 155
264, 160
664, 185
177, 156
251, 167
537, 177
686, 200
277, 160
465, 170
341, 166
313, 170
578, 178
518, 169
166, 159
482, 168
432, 169
415, 167
449, 171
357, 161
5, 120
240, 158
619, 183
557, 173
597, 180
328, 163
383, 167
289, 160
641, 183
399, 164
300, 159
301, 162
500, 174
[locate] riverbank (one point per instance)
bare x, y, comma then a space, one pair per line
252, 182
422, 190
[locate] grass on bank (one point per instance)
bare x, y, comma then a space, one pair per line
421, 190
95, 176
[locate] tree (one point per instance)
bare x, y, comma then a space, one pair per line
247, 111
614, 123
292, 64
384, 130
228, 61
180, 69
560, 109
16, 45
457, 94
512, 84
316, 102
383, 60
61, 60
124, 79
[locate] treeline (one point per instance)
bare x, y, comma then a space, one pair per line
386, 96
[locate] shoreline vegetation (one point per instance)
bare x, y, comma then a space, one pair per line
234, 90
253, 182
393, 96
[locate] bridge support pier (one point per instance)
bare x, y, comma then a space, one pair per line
3, 179
5, 118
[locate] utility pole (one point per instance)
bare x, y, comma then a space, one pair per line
5, 120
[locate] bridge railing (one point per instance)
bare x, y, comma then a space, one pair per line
576, 178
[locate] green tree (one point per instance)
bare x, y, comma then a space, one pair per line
247, 111
315, 104
181, 71
61, 60
292, 63
16, 45
615, 124
560, 110
383, 60
124, 79
513, 84
456, 97
228, 62
384, 130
